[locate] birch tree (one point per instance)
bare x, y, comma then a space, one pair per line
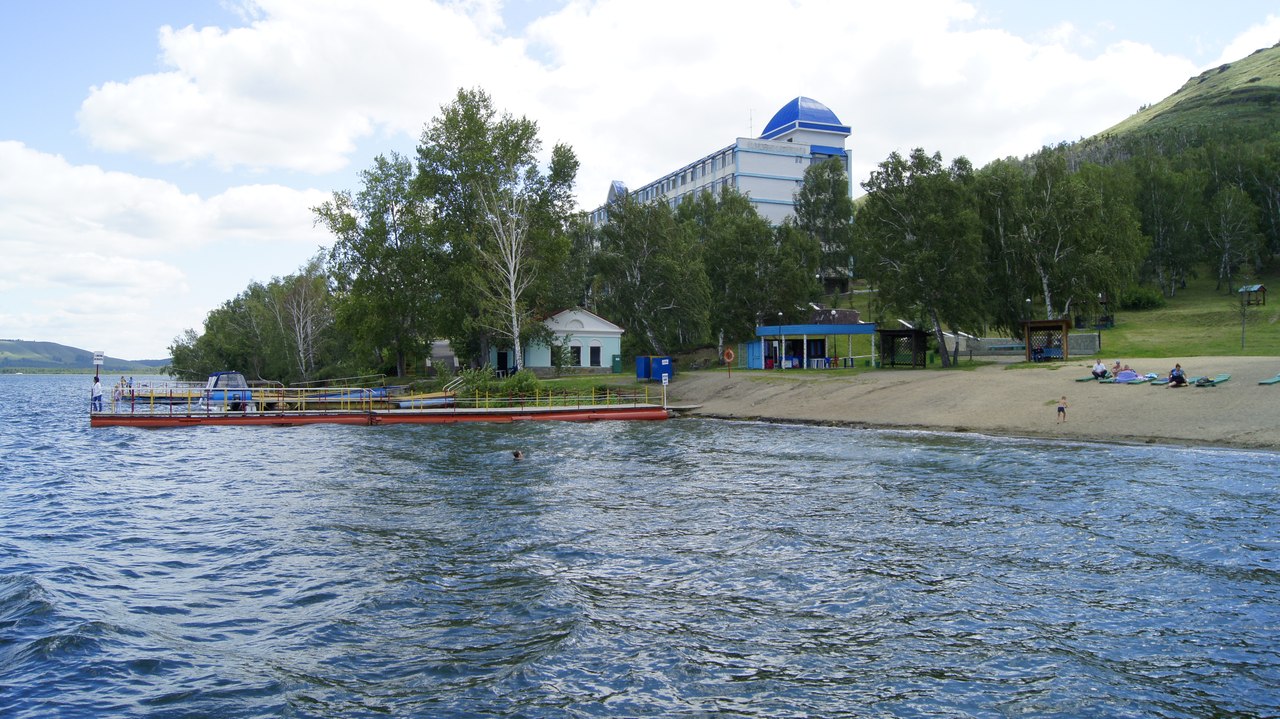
504, 215
920, 242
302, 309
824, 209
1231, 226
509, 269
650, 278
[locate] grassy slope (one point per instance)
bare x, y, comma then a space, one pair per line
1198, 321
1242, 93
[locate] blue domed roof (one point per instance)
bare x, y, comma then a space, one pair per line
803, 112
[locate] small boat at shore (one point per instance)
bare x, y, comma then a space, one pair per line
433, 399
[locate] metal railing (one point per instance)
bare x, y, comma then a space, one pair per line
197, 401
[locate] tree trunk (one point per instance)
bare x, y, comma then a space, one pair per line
941, 338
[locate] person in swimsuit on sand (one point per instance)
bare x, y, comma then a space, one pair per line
1062, 409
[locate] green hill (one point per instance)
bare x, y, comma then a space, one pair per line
1243, 95
23, 356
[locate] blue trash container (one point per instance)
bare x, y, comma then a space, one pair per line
660, 366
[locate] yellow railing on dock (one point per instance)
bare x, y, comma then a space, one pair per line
195, 401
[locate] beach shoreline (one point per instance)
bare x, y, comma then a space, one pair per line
1009, 401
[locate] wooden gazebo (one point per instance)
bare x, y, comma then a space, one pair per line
1253, 295
1046, 340
903, 347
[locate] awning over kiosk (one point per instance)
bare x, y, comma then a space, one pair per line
791, 344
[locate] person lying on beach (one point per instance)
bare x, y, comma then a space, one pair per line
1126, 375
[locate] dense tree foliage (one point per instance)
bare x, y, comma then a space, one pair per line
650, 277
281, 331
752, 270
385, 263
505, 220
824, 210
475, 238
920, 241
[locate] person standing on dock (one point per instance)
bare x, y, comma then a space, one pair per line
95, 404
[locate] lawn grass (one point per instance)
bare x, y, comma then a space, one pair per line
1197, 321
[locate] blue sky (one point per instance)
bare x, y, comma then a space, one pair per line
156, 157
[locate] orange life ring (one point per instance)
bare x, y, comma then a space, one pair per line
728, 355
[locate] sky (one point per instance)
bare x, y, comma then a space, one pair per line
157, 157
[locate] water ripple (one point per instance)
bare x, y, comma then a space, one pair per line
688, 568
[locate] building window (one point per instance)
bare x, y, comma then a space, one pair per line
575, 354
595, 353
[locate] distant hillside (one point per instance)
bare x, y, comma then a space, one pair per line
1243, 95
22, 355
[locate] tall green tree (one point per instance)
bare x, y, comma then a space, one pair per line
1262, 182
793, 278
384, 265
1081, 236
302, 307
238, 335
1001, 196
738, 249
1231, 226
505, 217
279, 331
920, 241
1168, 201
650, 277
824, 209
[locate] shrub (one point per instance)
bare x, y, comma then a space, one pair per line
477, 381
524, 382
1141, 298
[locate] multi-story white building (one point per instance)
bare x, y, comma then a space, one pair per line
768, 169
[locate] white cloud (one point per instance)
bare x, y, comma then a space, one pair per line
637, 89
299, 86
1263, 34
110, 260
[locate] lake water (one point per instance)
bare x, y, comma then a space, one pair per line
673, 569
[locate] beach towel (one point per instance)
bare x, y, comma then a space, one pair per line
1128, 376
1273, 380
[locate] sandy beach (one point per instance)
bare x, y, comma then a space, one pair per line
1011, 401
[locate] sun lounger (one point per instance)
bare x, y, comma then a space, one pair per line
1211, 381
1273, 380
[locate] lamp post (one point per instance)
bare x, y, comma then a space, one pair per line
1026, 332
781, 344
